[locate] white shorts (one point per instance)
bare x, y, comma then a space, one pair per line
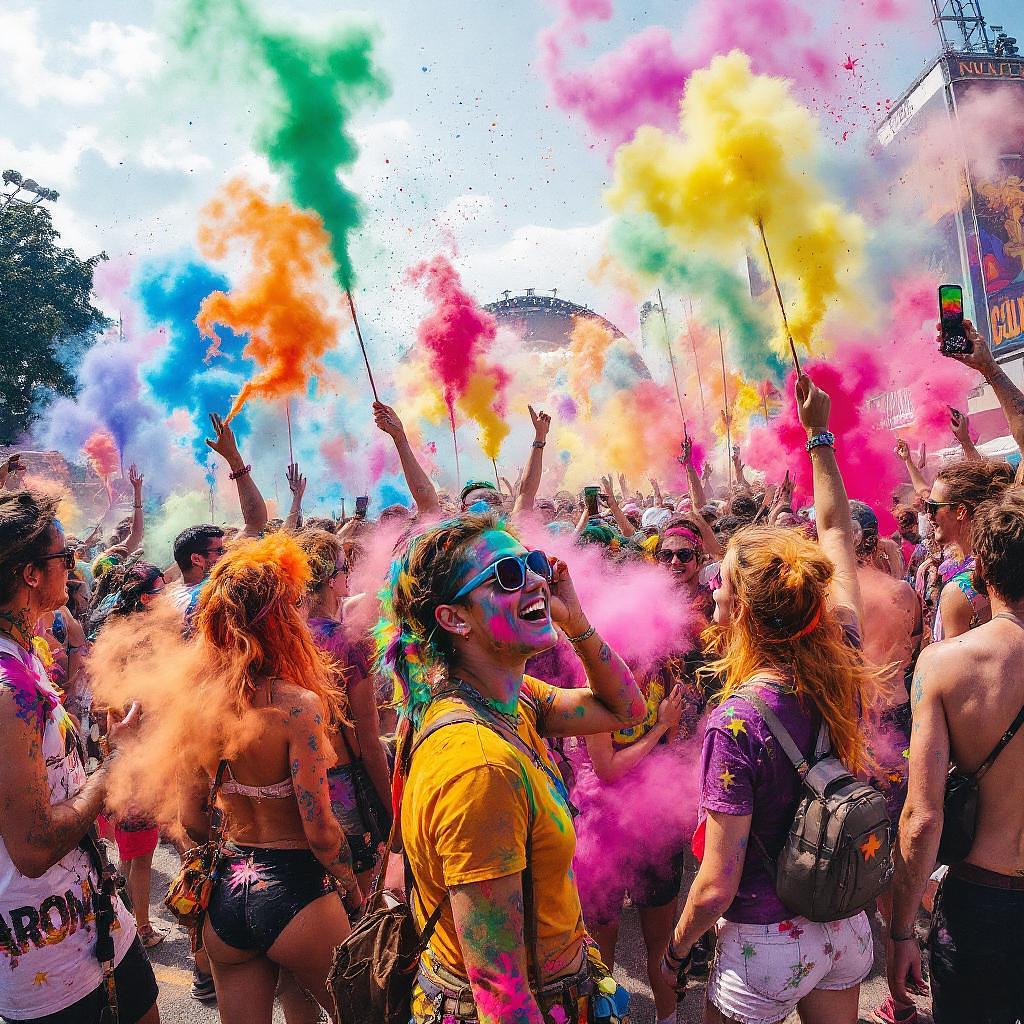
762, 971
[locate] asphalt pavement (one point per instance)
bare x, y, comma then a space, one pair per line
172, 963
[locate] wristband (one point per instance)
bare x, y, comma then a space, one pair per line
240, 472
539, 444
824, 440
585, 635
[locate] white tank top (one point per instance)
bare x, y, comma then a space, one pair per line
47, 924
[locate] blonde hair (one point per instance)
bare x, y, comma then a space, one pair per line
784, 624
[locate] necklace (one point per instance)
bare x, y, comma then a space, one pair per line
476, 697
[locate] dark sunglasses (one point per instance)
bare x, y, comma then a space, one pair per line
510, 573
66, 553
684, 556
931, 507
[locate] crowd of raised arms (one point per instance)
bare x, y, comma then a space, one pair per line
464, 750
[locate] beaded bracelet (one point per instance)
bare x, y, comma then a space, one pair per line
239, 472
585, 635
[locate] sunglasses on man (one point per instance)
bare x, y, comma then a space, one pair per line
67, 554
931, 507
510, 573
684, 556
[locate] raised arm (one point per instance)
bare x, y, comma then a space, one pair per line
917, 478
960, 426
831, 505
737, 464
624, 524
297, 485
611, 697
535, 463
656, 488
36, 832
422, 490
693, 481
254, 508
135, 535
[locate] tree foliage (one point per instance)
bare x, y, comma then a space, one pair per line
47, 319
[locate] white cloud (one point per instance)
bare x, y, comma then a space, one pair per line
54, 168
107, 59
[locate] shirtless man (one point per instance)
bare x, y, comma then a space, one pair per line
965, 695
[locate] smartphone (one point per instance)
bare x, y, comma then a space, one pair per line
590, 497
951, 318
362, 503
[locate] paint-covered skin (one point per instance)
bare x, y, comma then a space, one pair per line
489, 921
498, 613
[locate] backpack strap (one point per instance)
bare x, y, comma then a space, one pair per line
779, 731
998, 749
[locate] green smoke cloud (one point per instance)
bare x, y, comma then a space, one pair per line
305, 91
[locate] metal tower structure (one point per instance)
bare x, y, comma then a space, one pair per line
961, 26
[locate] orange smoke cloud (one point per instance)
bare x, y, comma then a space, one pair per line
283, 301
588, 349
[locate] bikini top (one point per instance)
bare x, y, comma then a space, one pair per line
277, 791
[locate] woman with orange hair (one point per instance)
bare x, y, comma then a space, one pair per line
275, 904
786, 633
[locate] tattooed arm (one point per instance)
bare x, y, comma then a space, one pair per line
718, 878
310, 754
254, 508
38, 834
921, 821
489, 922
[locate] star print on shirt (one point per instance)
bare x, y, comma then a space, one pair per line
736, 726
871, 847
729, 712
727, 778
40, 978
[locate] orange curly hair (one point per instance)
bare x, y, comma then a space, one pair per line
248, 618
784, 625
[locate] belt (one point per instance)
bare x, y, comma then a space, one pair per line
451, 996
982, 876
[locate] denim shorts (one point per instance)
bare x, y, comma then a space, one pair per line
762, 971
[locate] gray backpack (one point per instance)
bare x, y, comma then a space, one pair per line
837, 856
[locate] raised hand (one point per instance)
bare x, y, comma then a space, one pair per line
541, 423
135, 478
388, 420
902, 450
687, 451
980, 358
812, 405
296, 481
224, 444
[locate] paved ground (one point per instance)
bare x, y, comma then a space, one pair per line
173, 966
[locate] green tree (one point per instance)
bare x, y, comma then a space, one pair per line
47, 319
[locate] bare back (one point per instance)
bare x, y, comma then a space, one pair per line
261, 759
982, 690
891, 626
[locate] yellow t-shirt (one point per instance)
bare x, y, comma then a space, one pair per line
465, 812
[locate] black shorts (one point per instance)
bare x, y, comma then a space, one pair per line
976, 949
136, 994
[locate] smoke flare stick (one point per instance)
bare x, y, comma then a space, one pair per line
672, 360
778, 295
725, 397
362, 346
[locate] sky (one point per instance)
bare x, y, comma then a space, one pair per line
469, 146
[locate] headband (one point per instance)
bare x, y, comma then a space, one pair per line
682, 531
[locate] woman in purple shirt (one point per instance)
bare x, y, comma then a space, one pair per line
787, 613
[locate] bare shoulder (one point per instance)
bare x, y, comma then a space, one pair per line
299, 705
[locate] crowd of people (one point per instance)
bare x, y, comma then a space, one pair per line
444, 731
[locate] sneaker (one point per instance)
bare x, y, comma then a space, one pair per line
890, 1013
203, 989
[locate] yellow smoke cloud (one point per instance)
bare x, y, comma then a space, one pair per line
743, 155
479, 402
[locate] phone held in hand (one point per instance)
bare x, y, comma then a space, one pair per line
951, 319
590, 498
362, 503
